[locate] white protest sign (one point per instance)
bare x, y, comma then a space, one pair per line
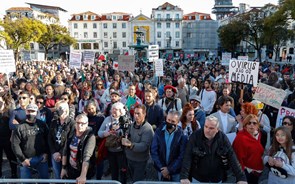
89, 57
226, 57
7, 62
159, 67
115, 65
153, 52
40, 56
243, 58
284, 111
245, 72
269, 95
75, 60
126, 63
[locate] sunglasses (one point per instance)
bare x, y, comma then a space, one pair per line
64, 99
287, 123
39, 102
252, 122
22, 98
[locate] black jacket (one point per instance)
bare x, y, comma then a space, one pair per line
67, 131
30, 139
205, 163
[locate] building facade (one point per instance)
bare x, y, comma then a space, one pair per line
168, 29
199, 35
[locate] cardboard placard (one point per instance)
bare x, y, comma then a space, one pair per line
7, 62
75, 60
284, 111
245, 72
126, 63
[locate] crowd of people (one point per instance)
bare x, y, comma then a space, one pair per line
74, 120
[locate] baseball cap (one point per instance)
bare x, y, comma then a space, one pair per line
195, 97
32, 107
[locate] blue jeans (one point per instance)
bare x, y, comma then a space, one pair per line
41, 167
56, 166
174, 177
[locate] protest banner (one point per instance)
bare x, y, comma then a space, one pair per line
226, 57
270, 95
245, 72
7, 62
126, 63
75, 60
159, 67
243, 58
284, 111
89, 57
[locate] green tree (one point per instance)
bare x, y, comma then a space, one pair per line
55, 35
288, 7
19, 33
230, 35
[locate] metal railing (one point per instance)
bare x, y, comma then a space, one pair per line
55, 181
155, 182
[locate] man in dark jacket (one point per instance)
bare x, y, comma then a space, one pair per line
29, 143
168, 149
155, 114
78, 159
209, 155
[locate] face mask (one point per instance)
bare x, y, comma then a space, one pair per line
31, 117
60, 112
170, 126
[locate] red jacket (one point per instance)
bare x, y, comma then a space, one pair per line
249, 151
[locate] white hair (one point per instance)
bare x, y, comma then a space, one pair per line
82, 117
180, 80
214, 119
120, 107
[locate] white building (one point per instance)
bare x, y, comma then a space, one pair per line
168, 28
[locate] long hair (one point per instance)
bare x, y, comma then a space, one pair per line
248, 118
276, 146
188, 107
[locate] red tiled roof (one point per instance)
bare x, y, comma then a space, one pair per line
193, 16
20, 9
89, 13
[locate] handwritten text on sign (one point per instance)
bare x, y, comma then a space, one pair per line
269, 95
126, 63
284, 111
245, 72
75, 60
7, 62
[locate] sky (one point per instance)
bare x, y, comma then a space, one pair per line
128, 6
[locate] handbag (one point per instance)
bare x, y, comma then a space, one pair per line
113, 141
102, 151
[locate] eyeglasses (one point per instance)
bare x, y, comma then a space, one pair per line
64, 99
39, 102
252, 122
22, 98
287, 123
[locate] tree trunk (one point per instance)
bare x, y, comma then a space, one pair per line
16, 55
259, 54
46, 53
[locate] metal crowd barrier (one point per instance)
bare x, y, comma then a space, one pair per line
55, 181
155, 182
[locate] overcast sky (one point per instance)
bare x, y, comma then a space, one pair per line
128, 6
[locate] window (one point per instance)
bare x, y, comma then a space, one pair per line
124, 44
105, 44
168, 34
114, 25
114, 17
85, 17
158, 34
41, 47
168, 25
158, 16
189, 25
85, 35
94, 25
177, 34
124, 35
176, 43
189, 35
85, 25
76, 35
32, 46
92, 17
123, 25
105, 34
159, 43
115, 45
158, 25
168, 16
105, 25
198, 17
95, 35
114, 34
77, 17
95, 46
177, 25
86, 46
75, 26
177, 16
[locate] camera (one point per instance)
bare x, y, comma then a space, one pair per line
124, 122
